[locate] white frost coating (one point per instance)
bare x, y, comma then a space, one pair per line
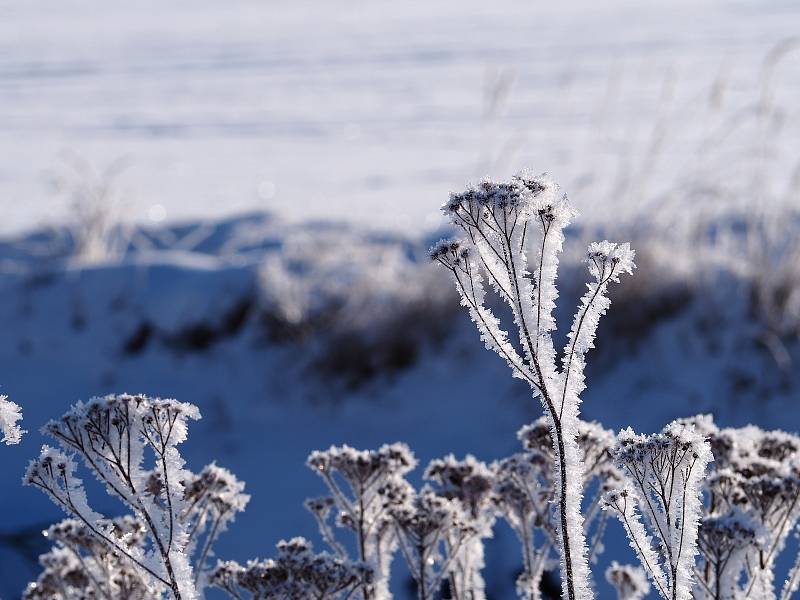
499, 221
296, 573
624, 503
525, 487
792, 582
750, 506
79, 566
551, 213
10, 413
467, 276
665, 470
54, 473
213, 497
607, 261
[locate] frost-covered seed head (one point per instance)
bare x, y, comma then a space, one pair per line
217, 486
722, 533
468, 481
296, 573
429, 513
607, 260
359, 466
79, 559
536, 436
523, 197
320, 506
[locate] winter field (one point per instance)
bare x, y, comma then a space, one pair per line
231, 204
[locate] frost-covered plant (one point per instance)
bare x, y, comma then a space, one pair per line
432, 531
180, 513
471, 483
498, 221
767, 484
365, 486
10, 413
724, 541
524, 491
82, 566
213, 497
629, 581
752, 503
296, 574
663, 474
524, 504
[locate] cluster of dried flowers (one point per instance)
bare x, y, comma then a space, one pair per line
706, 510
438, 530
698, 534
176, 515
751, 505
296, 574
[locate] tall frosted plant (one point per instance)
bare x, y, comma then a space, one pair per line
499, 221
10, 413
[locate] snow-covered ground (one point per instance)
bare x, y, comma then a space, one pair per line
345, 109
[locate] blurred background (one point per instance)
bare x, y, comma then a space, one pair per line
230, 203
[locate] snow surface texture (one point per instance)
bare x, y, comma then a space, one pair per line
229, 107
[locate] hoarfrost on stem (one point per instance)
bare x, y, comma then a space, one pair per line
525, 488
